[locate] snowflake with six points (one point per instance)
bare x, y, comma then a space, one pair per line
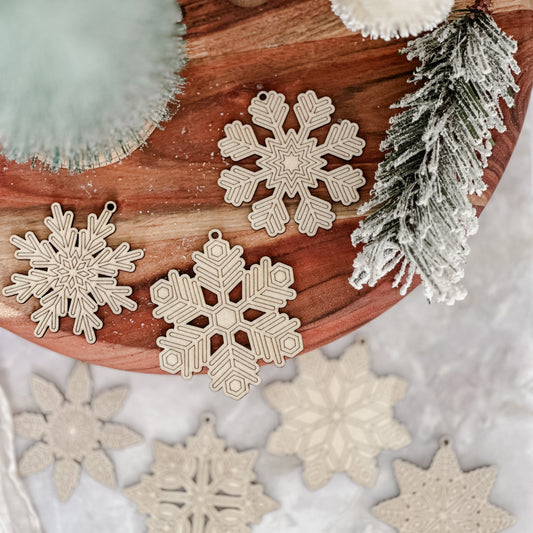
270, 335
202, 487
337, 416
291, 162
73, 272
72, 431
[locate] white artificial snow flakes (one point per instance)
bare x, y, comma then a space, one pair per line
291, 163
220, 270
73, 272
443, 498
202, 487
73, 431
387, 19
337, 416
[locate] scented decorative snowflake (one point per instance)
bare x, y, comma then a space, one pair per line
250, 326
291, 163
337, 416
443, 498
73, 272
73, 431
201, 487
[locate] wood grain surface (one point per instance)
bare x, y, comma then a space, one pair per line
167, 193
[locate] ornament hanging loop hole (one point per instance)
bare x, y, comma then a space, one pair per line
208, 418
446, 441
111, 206
262, 96
215, 234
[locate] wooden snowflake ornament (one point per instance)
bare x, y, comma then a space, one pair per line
72, 431
337, 416
220, 270
443, 498
73, 272
202, 487
291, 163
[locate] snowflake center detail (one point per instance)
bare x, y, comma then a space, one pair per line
227, 316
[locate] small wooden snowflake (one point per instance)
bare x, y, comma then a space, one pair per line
291, 163
202, 487
250, 326
337, 416
73, 272
73, 431
443, 498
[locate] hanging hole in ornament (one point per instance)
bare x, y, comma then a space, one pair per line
215, 234
262, 96
445, 441
207, 418
111, 207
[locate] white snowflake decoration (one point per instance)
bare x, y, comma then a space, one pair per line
291, 163
73, 272
337, 416
73, 431
220, 269
443, 498
388, 19
202, 487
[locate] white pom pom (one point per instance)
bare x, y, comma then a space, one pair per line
83, 82
387, 19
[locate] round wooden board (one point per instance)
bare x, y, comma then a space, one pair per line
167, 194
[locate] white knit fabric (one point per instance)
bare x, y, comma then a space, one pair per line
16, 511
387, 19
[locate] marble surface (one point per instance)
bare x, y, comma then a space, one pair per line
470, 369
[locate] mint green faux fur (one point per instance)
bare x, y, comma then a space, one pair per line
80, 78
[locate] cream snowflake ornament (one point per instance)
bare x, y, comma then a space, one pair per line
337, 416
388, 19
291, 163
220, 270
72, 431
443, 498
202, 487
73, 272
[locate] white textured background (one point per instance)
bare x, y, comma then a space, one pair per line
470, 369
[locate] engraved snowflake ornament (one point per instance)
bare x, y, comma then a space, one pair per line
202, 487
73, 272
443, 498
220, 270
72, 431
337, 416
291, 162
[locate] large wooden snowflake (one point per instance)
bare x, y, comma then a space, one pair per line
72, 431
267, 334
73, 272
202, 487
443, 499
337, 416
291, 163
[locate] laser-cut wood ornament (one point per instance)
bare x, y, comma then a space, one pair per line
73, 272
443, 498
201, 487
337, 416
291, 162
220, 269
72, 431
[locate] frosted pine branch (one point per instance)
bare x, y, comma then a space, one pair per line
419, 214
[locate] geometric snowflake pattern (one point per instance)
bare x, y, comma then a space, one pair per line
291, 163
249, 326
337, 416
73, 272
72, 431
202, 487
443, 499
